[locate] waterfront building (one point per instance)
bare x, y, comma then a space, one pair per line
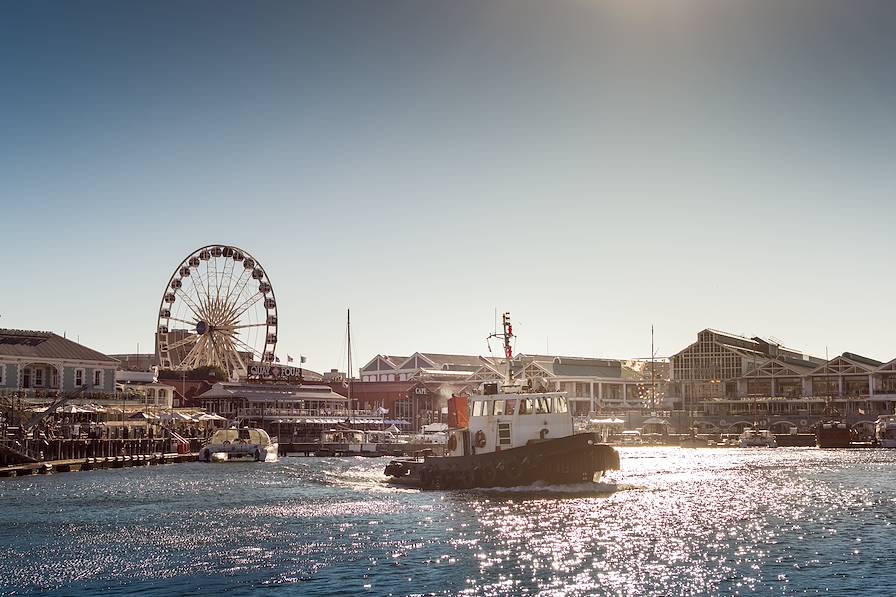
425, 365
725, 382
711, 367
143, 386
41, 364
414, 402
592, 385
301, 411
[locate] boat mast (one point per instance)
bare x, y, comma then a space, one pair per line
505, 336
652, 371
508, 349
348, 332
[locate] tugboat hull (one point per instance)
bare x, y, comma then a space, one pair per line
562, 461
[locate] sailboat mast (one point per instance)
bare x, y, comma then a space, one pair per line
348, 331
652, 371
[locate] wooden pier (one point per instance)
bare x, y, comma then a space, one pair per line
35, 456
89, 464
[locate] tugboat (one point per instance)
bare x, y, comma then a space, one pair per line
508, 437
832, 432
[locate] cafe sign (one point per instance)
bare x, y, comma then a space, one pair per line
274, 372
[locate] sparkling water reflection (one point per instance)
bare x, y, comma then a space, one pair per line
672, 522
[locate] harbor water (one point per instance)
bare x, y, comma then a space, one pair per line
671, 522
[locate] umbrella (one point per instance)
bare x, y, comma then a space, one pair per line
211, 417
142, 416
175, 417
70, 409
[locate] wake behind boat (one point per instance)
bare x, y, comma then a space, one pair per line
239, 445
507, 437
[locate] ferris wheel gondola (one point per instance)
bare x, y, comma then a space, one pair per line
218, 310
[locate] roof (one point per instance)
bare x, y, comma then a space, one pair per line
575, 366
453, 361
863, 360
267, 392
47, 345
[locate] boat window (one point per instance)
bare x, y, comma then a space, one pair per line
504, 434
560, 404
542, 405
509, 406
479, 408
499, 407
525, 406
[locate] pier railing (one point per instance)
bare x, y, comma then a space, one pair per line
39, 450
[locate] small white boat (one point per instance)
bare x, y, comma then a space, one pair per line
349, 441
239, 445
631, 438
885, 431
757, 438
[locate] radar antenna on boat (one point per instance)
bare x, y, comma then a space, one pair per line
505, 336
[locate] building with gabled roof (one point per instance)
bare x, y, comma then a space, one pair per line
44, 364
423, 366
592, 384
710, 367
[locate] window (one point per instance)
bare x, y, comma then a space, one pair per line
499, 407
479, 408
509, 406
38, 377
526, 406
54, 377
2, 372
79, 377
26, 377
560, 405
163, 393
97, 377
543, 405
504, 434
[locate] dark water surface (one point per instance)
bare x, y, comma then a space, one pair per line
672, 522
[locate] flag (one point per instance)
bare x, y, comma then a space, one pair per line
861, 411
288, 359
301, 359
382, 411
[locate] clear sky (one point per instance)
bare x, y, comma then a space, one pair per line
594, 167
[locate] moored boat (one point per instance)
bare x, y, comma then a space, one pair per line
757, 438
507, 437
239, 445
832, 434
885, 431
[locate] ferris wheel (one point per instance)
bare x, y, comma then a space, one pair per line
217, 310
